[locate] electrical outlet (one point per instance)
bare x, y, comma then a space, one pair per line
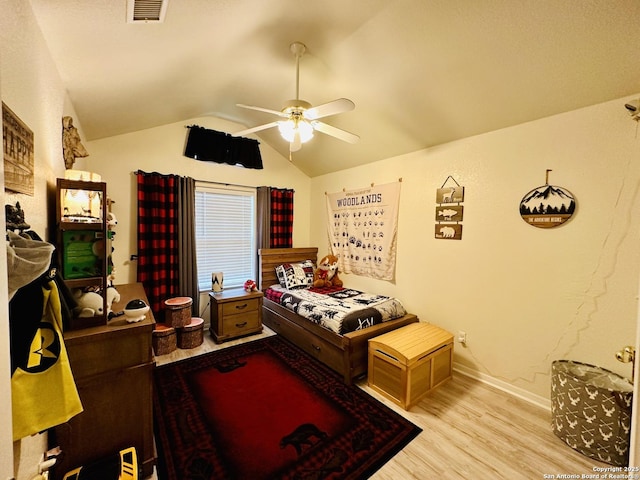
462, 337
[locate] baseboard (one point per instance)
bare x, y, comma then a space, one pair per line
532, 398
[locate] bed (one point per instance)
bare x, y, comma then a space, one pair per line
346, 353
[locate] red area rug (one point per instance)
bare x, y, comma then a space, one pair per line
267, 410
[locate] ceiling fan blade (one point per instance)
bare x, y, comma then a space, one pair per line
260, 109
254, 129
330, 108
336, 132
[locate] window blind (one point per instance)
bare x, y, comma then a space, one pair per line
225, 234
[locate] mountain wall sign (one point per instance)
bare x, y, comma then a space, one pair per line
547, 206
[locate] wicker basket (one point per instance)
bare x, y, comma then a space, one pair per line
164, 339
178, 311
191, 335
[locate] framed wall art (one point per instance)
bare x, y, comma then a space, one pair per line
18, 153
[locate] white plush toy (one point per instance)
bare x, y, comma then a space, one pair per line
89, 304
112, 296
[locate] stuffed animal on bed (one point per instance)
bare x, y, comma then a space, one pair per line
326, 275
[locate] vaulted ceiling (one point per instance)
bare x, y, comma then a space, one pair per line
420, 72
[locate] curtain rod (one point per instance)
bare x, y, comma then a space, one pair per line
243, 186
137, 172
225, 184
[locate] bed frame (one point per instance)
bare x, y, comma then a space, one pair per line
346, 354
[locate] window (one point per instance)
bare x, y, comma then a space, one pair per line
225, 234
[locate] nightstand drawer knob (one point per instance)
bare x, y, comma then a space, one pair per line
240, 325
241, 307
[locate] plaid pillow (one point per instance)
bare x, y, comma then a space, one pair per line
295, 275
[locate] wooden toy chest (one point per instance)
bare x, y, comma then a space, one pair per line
407, 363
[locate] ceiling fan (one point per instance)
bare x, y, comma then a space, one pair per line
300, 117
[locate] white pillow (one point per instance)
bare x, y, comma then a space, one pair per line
295, 275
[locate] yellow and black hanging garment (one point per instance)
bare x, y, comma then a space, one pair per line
43, 392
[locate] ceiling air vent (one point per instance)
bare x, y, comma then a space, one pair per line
146, 11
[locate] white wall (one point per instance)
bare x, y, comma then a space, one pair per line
32, 89
161, 150
525, 296
6, 446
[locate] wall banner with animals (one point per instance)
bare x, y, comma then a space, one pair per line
363, 226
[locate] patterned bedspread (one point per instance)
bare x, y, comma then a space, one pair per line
341, 310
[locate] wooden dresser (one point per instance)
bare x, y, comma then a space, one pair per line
113, 369
235, 313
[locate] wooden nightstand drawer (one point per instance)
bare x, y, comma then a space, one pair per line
237, 325
235, 313
240, 307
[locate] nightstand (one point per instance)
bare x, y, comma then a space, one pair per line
235, 313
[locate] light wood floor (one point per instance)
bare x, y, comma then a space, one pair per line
470, 431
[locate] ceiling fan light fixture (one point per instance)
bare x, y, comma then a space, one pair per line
301, 117
289, 127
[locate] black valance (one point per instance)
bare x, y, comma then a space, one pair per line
213, 146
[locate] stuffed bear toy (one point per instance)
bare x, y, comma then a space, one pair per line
326, 275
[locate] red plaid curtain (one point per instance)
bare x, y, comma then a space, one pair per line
158, 237
281, 228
